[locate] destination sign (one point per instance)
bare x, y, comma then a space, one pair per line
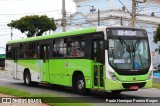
126, 32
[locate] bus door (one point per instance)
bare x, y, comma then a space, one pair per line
44, 53
15, 63
98, 57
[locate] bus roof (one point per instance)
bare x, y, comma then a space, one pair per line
56, 35
63, 34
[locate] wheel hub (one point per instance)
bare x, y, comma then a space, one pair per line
80, 84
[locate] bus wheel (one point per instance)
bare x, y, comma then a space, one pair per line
80, 85
27, 79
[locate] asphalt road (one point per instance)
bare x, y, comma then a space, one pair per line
94, 98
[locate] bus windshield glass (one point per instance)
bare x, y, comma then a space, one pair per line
129, 53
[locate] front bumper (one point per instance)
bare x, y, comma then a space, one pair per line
118, 85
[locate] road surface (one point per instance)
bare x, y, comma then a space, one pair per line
94, 98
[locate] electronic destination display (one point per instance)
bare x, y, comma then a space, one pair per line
126, 32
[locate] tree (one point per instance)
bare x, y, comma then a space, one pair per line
157, 36
33, 25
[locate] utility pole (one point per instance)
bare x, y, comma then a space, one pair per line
63, 16
121, 21
98, 17
11, 34
133, 13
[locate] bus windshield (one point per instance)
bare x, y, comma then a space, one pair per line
129, 53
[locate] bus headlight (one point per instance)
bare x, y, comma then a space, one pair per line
150, 75
113, 76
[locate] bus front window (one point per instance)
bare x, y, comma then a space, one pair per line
129, 53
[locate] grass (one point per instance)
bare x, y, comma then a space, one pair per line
23, 94
156, 85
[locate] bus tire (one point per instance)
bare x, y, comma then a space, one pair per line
27, 78
34, 83
80, 85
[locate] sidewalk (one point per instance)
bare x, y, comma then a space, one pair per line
19, 104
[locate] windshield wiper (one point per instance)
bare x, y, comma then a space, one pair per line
131, 48
137, 43
124, 44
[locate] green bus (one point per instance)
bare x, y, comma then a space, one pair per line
101, 58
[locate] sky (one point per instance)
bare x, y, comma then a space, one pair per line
15, 9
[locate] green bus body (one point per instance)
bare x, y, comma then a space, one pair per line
70, 71
63, 34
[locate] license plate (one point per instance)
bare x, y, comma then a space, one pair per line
134, 87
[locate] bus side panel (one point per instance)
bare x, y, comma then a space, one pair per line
58, 73
9, 67
34, 67
61, 71
83, 65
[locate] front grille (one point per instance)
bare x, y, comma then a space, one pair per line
124, 72
128, 85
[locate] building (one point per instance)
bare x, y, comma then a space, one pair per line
115, 12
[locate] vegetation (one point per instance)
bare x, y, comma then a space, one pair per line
33, 25
157, 36
46, 99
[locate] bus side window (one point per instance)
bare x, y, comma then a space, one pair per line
59, 47
23, 50
33, 49
9, 51
76, 48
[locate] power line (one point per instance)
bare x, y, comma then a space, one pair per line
125, 7
11, 0
5, 34
31, 13
143, 8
